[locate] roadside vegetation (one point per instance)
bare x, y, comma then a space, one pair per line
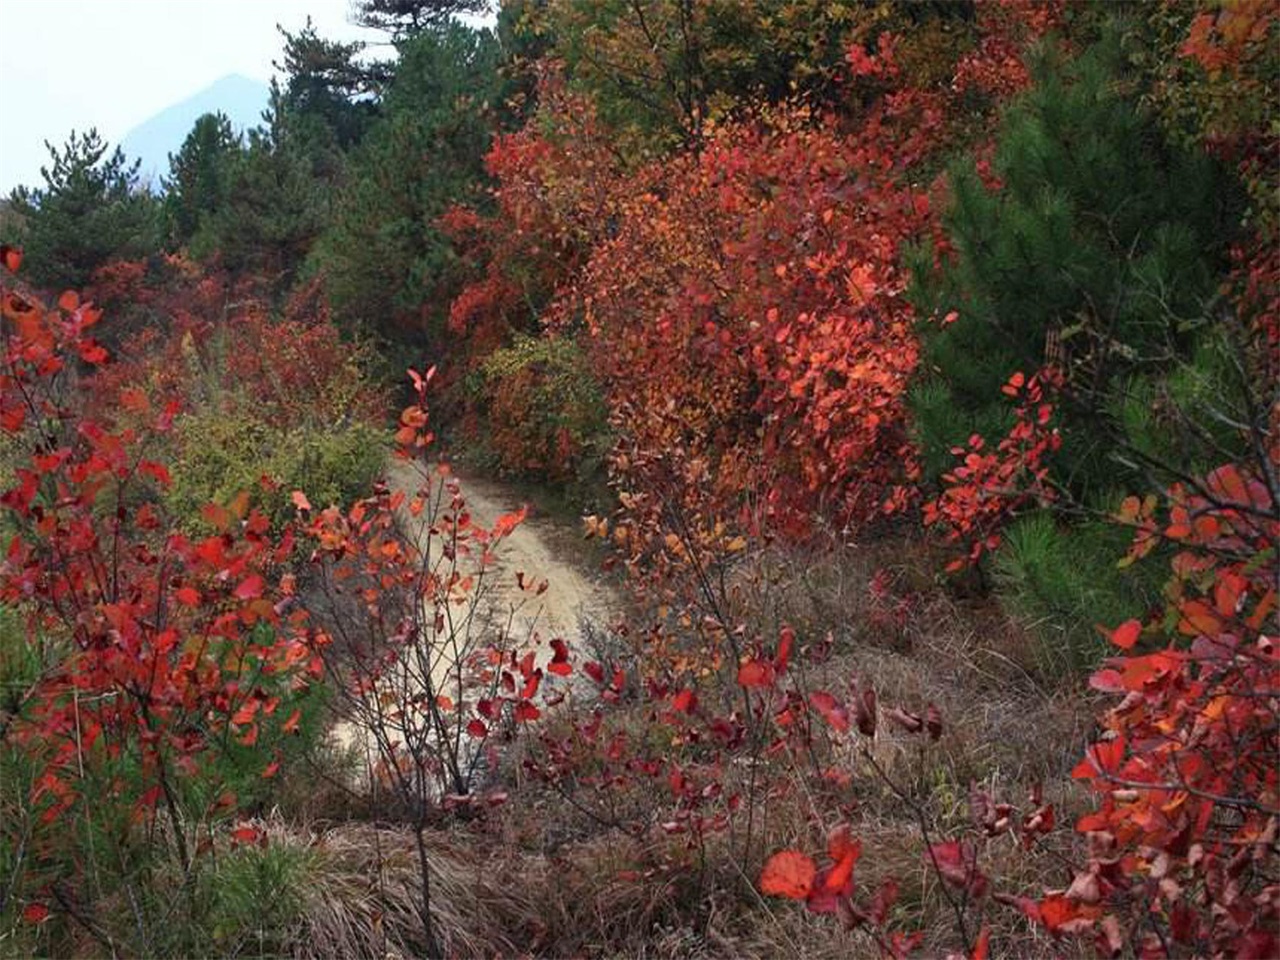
914, 369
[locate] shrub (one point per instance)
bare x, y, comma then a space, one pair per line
1085, 245
1047, 577
222, 454
543, 407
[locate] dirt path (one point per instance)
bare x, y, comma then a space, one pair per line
573, 597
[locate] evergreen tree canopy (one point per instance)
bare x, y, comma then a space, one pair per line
405, 18
199, 175
658, 70
326, 84
1089, 238
278, 197
91, 210
386, 262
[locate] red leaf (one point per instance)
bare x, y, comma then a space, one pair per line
1026, 905
527, 665
247, 712
248, 833
933, 721
983, 945
908, 721
250, 588
1056, 911
1126, 635
291, 724
11, 257
300, 500
69, 301
840, 843
866, 712
187, 596
886, 896
756, 673
1227, 486
559, 650
956, 862
1103, 757
526, 711
559, 664
684, 701
476, 728
594, 671
531, 685
1107, 681
789, 874
830, 709
156, 471
786, 639
32, 912
1015, 384
92, 352
842, 873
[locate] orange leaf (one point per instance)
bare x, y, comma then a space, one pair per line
300, 500
11, 257
134, 400
842, 872
1198, 618
216, 515
789, 874
755, 673
786, 639
1126, 635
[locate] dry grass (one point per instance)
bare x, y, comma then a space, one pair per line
538, 878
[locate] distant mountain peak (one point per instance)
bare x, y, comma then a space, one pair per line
242, 99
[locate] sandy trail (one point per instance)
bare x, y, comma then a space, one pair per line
572, 596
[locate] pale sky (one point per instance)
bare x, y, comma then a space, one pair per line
75, 64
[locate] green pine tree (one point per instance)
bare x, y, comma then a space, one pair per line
90, 211
278, 199
1100, 246
1094, 244
199, 175
388, 267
